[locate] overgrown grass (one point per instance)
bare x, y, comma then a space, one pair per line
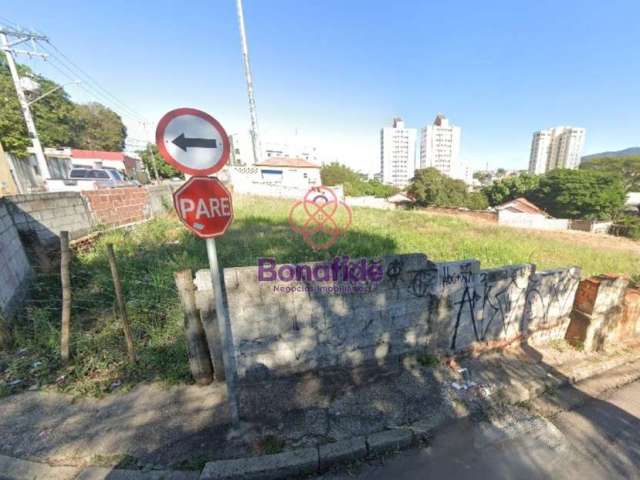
149, 255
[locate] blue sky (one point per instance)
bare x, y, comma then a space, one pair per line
335, 71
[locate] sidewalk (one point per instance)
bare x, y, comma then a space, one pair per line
155, 428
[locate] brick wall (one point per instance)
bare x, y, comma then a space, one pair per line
117, 206
15, 271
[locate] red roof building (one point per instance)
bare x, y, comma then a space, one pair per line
129, 163
522, 205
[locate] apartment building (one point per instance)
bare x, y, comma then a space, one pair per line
558, 147
397, 153
440, 148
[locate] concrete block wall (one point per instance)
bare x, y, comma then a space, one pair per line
531, 220
32, 223
159, 199
297, 325
44, 215
117, 206
16, 270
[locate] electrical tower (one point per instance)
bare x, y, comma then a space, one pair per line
18, 37
255, 137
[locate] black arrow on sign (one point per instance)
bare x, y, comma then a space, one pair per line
184, 142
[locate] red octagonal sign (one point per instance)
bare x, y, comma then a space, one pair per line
204, 206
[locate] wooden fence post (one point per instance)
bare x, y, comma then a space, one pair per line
122, 308
199, 359
65, 280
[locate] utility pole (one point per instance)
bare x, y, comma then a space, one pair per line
153, 157
255, 138
9, 51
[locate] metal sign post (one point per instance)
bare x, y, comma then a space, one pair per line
195, 143
225, 331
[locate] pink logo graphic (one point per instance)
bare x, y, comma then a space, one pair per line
321, 217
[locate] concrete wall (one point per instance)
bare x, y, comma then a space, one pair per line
42, 216
531, 220
292, 326
159, 199
370, 202
32, 223
15, 271
590, 226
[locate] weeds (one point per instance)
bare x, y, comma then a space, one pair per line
427, 360
151, 253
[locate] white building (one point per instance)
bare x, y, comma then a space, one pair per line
440, 148
279, 177
241, 149
397, 153
558, 147
288, 147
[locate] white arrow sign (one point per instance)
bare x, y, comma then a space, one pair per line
192, 141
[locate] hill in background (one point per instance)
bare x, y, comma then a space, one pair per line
627, 152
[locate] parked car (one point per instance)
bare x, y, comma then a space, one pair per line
85, 178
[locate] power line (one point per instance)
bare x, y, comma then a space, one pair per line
90, 78
60, 61
89, 89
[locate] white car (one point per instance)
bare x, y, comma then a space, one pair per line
88, 179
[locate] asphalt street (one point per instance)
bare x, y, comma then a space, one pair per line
599, 440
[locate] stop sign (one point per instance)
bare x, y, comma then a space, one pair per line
204, 206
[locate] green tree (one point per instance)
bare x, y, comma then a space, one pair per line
476, 201
98, 128
379, 189
627, 167
54, 115
164, 169
353, 182
509, 188
589, 194
338, 174
432, 188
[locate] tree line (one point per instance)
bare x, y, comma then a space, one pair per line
595, 191
355, 184
60, 121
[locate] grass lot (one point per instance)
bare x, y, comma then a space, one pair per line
149, 255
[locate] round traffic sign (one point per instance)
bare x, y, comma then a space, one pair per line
192, 141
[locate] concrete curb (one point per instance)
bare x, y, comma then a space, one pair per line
340, 452
280, 465
17, 469
308, 460
106, 473
14, 468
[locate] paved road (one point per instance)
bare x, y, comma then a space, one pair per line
600, 440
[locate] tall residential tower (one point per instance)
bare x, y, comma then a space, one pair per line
440, 148
558, 147
397, 153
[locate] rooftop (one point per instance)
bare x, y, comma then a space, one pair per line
287, 162
521, 205
99, 154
